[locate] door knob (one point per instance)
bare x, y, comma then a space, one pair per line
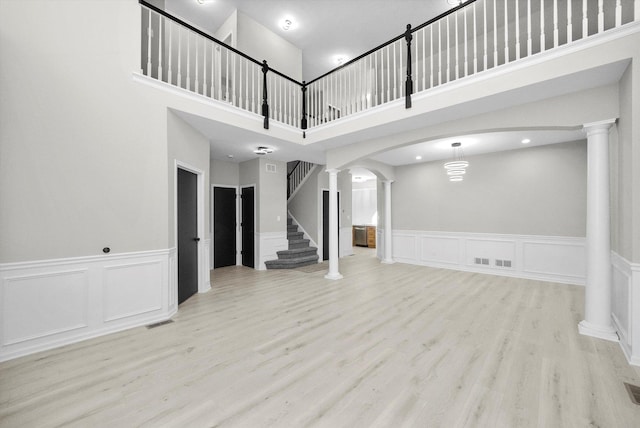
196, 239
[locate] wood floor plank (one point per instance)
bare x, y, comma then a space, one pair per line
387, 346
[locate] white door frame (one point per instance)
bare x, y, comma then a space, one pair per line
204, 283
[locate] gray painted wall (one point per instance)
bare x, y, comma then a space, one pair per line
532, 191
188, 146
83, 153
224, 173
257, 41
624, 229
273, 196
270, 193
304, 205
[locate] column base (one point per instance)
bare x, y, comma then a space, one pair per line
607, 332
388, 261
333, 276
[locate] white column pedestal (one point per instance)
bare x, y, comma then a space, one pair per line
333, 226
388, 239
597, 312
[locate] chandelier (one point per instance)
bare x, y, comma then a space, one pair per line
457, 167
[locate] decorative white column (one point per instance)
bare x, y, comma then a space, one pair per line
333, 225
388, 258
597, 311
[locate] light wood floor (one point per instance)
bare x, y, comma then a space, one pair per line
387, 346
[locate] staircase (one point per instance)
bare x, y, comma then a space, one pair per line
299, 253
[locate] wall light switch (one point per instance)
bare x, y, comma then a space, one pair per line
278, 218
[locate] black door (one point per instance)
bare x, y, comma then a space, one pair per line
325, 223
224, 227
187, 235
248, 227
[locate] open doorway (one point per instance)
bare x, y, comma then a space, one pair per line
325, 223
364, 211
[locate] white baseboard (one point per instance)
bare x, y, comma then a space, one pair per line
544, 258
625, 305
50, 303
269, 243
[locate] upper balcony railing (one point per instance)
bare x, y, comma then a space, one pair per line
476, 36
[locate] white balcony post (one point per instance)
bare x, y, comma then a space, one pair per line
597, 312
388, 239
333, 225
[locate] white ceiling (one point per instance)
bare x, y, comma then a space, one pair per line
476, 145
324, 28
235, 144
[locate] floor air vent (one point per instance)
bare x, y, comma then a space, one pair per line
158, 324
634, 393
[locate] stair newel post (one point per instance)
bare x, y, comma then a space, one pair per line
408, 36
303, 123
265, 104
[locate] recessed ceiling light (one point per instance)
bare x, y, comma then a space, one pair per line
526, 141
286, 24
340, 59
230, 156
418, 157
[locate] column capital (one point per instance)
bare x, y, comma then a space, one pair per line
387, 181
332, 170
598, 127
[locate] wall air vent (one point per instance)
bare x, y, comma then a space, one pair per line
271, 167
503, 263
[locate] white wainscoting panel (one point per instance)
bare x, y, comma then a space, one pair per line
440, 249
489, 248
346, 241
625, 305
269, 243
546, 258
45, 304
404, 247
379, 243
51, 303
555, 258
131, 289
